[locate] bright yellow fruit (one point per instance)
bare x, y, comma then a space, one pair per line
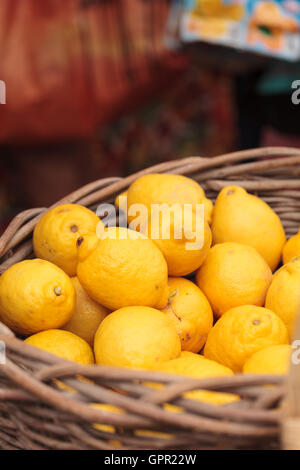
56, 234
117, 200
123, 268
272, 360
243, 218
183, 240
176, 226
241, 332
138, 337
233, 274
196, 366
109, 408
146, 433
283, 296
164, 188
35, 295
64, 344
291, 249
208, 210
86, 316
111, 429
167, 189
191, 313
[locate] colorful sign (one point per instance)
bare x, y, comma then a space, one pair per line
267, 27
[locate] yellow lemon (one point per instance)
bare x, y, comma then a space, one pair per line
283, 296
272, 360
182, 238
208, 205
241, 332
64, 344
123, 268
196, 366
35, 295
117, 200
66, 388
243, 218
136, 337
208, 210
172, 408
233, 274
56, 233
110, 408
112, 429
164, 189
86, 316
291, 249
191, 313
170, 207
146, 433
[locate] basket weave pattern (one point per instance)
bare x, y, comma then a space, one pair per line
36, 412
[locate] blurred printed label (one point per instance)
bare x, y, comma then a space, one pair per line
268, 27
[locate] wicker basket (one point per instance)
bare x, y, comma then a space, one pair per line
36, 413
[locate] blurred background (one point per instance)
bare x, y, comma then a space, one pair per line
96, 88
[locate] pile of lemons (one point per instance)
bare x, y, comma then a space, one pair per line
121, 297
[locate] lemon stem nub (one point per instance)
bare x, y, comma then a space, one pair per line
57, 291
79, 241
74, 228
